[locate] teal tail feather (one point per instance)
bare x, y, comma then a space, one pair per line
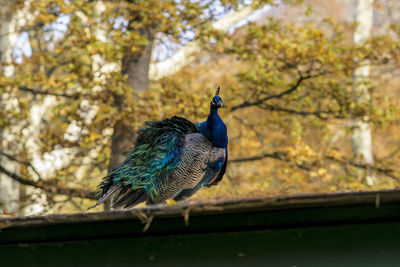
146, 170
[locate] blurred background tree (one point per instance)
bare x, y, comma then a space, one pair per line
92, 72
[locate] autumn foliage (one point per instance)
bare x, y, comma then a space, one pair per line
287, 90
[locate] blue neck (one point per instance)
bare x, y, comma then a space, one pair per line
217, 129
213, 111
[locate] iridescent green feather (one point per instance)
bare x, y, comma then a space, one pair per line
155, 155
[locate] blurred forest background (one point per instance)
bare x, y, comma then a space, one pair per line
311, 91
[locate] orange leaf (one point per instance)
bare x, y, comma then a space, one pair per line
5, 211
379, 5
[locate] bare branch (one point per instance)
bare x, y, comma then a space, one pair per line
387, 172
260, 101
323, 115
37, 92
293, 88
345, 162
251, 127
50, 187
22, 162
275, 155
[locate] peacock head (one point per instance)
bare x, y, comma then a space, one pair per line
216, 102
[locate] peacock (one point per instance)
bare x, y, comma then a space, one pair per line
172, 159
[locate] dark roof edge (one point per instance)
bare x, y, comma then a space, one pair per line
376, 198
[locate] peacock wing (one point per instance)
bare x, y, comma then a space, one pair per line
221, 173
146, 170
213, 161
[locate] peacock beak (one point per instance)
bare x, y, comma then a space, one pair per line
219, 103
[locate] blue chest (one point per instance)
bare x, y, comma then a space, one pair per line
214, 129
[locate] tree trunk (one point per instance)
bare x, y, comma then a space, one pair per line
9, 188
361, 137
136, 66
